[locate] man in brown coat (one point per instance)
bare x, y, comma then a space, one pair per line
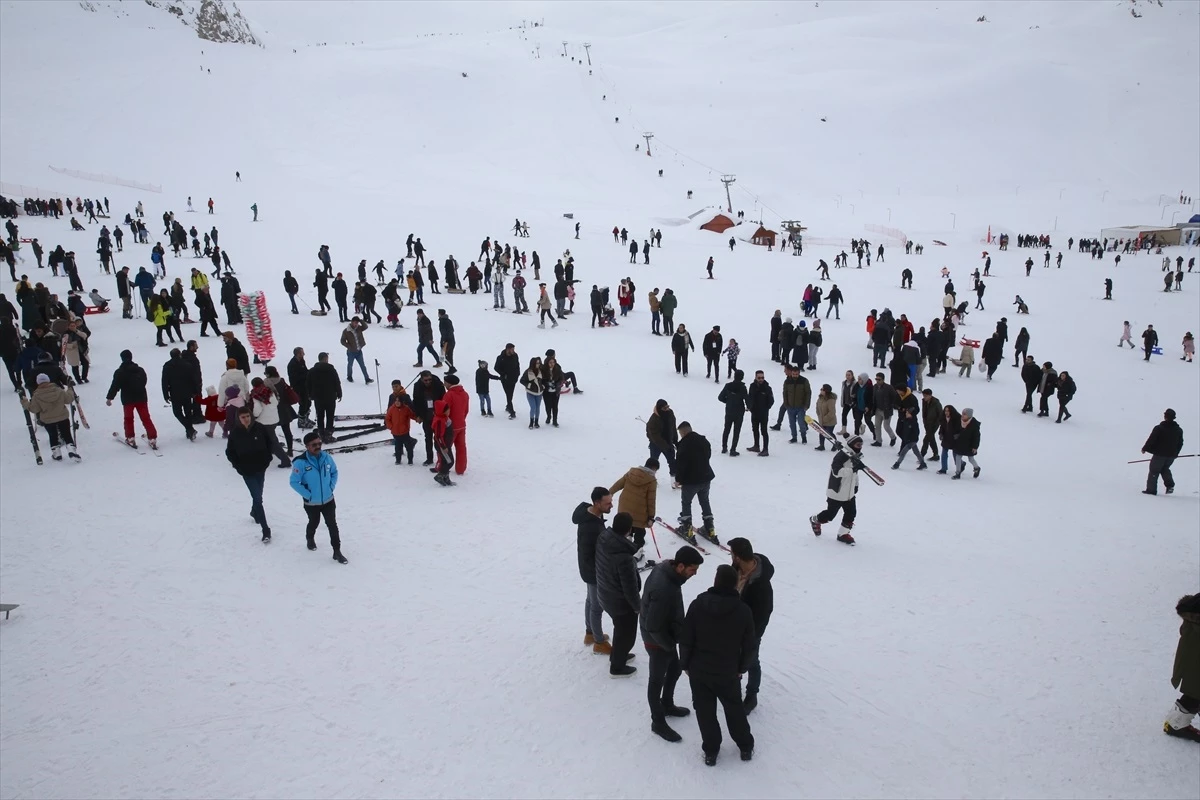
639, 491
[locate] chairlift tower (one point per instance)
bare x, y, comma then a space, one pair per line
647, 136
728, 180
587, 48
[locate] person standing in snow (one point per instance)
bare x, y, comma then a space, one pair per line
427, 391
662, 621
618, 586
842, 489
639, 496
589, 524
314, 478
680, 343
249, 452
1149, 341
1066, 391
715, 648
711, 347
661, 434
1185, 676
1163, 446
966, 444
908, 428
931, 418
754, 584
884, 402
734, 396
694, 474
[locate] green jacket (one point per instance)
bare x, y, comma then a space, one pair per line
797, 392
668, 304
1186, 675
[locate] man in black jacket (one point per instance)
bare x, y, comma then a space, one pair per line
734, 396
291, 286
249, 450
180, 388
124, 292
237, 351
712, 344
759, 399
715, 649
508, 367
617, 586
662, 624
589, 524
340, 291
754, 582
325, 390
130, 381
694, 475
427, 391
1163, 445
1031, 374
297, 372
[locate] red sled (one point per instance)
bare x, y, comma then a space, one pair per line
969, 342
95, 310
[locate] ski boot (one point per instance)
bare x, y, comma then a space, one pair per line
72, 454
153, 443
816, 525
686, 530
1179, 724
710, 532
844, 536
56, 453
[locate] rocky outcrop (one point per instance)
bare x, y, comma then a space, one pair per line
212, 20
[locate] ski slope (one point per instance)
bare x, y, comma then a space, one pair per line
1006, 636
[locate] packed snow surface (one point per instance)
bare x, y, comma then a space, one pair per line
1006, 636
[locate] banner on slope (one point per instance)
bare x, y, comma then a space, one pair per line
258, 324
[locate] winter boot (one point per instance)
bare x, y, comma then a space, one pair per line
816, 525
710, 759
623, 671
602, 648
660, 727
844, 535
975, 474
266, 537
56, 452
312, 544
672, 710
1179, 723
338, 557
747, 754
72, 454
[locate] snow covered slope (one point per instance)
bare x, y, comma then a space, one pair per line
1006, 636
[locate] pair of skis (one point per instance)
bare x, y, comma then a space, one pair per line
691, 538
838, 444
76, 408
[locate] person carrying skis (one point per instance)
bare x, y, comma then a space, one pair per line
314, 477
50, 404
842, 489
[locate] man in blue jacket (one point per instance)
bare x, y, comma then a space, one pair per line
314, 477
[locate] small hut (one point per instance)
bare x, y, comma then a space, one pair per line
718, 224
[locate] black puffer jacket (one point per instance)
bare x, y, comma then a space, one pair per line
1165, 440
692, 456
617, 581
662, 607
249, 449
130, 380
588, 528
759, 595
324, 384
733, 395
718, 640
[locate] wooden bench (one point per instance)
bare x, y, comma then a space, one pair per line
7, 607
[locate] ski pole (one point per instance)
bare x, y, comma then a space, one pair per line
378, 393
1144, 460
655, 540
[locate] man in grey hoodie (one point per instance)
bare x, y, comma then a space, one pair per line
662, 623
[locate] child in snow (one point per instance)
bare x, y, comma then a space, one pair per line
233, 402
1186, 675
50, 403
731, 353
212, 411
1189, 347
399, 419
483, 379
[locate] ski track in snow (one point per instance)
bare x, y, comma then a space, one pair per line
1010, 636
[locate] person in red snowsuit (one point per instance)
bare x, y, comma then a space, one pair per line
459, 403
